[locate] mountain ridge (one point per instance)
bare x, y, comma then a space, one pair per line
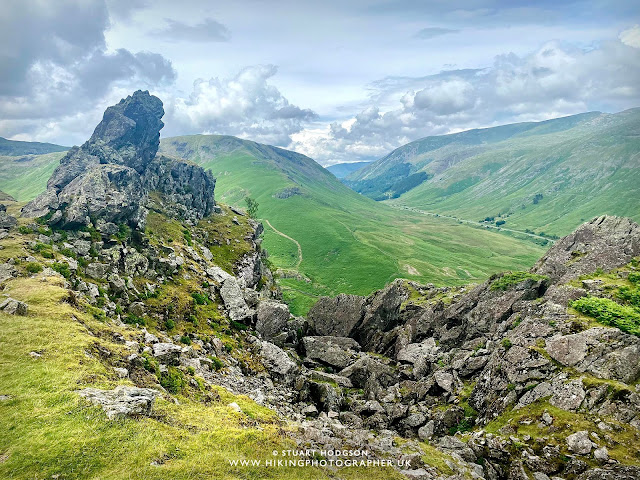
541, 177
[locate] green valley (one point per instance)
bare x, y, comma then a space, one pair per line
545, 177
323, 238
326, 239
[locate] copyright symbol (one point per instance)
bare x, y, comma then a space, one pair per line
275, 453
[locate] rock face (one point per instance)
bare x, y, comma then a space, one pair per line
188, 189
336, 316
605, 242
106, 181
122, 401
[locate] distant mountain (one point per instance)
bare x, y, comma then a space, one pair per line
539, 176
341, 170
14, 147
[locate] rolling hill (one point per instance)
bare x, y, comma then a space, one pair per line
323, 237
15, 147
545, 177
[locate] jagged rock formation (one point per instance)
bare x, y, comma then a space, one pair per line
605, 242
106, 181
505, 380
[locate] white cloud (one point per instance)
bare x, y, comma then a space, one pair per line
209, 30
631, 36
555, 80
245, 105
57, 67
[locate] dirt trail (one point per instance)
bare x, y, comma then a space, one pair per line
278, 232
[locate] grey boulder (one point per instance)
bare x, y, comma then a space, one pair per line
123, 401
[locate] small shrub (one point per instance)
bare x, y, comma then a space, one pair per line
62, 269
608, 312
511, 279
193, 319
630, 294
97, 313
132, 319
238, 325
173, 381
187, 236
33, 267
200, 298
67, 252
169, 324
186, 340
191, 371
634, 277
124, 232
151, 364
506, 343
24, 230
217, 363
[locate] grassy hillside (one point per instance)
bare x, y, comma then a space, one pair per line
543, 177
324, 237
25, 176
341, 170
48, 431
328, 239
14, 147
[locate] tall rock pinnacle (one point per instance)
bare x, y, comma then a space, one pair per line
106, 181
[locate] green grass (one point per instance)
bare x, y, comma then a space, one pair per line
511, 279
47, 430
24, 177
349, 243
608, 312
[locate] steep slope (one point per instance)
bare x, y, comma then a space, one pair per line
546, 177
25, 176
327, 239
15, 147
341, 170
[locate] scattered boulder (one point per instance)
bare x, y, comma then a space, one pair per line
580, 443
336, 316
272, 319
122, 401
276, 360
605, 242
7, 271
234, 300
167, 353
7, 221
14, 307
337, 352
568, 349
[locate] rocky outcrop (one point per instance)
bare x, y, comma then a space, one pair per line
336, 316
106, 182
14, 307
187, 189
123, 401
605, 242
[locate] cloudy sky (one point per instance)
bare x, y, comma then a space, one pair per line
338, 80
